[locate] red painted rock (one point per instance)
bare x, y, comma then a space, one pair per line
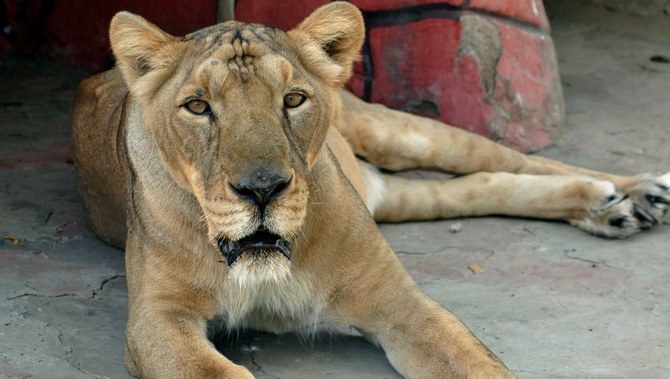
530, 11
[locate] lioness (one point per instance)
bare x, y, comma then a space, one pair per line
232, 154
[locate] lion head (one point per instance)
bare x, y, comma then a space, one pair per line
239, 114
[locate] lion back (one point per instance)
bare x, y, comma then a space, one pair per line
98, 134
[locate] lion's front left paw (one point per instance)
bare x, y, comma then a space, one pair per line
651, 198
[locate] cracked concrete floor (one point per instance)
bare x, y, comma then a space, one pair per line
553, 302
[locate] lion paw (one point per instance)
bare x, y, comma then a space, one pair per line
611, 215
651, 197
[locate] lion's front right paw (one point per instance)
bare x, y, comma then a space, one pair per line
651, 198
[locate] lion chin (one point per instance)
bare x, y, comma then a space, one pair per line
261, 257
260, 267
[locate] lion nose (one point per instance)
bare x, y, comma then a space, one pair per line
260, 188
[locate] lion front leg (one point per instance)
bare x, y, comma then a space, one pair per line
421, 339
166, 336
164, 341
433, 343
430, 342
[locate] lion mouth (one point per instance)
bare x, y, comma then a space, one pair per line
262, 241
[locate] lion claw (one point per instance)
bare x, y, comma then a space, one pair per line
651, 197
643, 216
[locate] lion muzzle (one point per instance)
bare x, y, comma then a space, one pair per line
261, 187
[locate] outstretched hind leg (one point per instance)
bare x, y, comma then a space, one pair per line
595, 206
398, 141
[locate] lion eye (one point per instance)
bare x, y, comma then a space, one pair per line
197, 107
294, 99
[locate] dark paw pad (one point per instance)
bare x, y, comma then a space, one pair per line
619, 222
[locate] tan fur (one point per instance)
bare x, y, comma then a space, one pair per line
497, 180
144, 158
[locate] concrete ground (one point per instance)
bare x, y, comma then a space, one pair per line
553, 301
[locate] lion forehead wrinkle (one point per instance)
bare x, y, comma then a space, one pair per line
275, 69
212, 75
238, 48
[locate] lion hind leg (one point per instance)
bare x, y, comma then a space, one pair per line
397, 141
596, 206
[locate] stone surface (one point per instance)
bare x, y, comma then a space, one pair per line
553, 302
529, 11
529, 107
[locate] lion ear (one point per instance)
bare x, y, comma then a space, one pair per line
138, 45
330, 39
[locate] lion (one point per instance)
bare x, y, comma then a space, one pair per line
244, 184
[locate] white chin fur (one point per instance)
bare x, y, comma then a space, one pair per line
259, 269
262, 292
